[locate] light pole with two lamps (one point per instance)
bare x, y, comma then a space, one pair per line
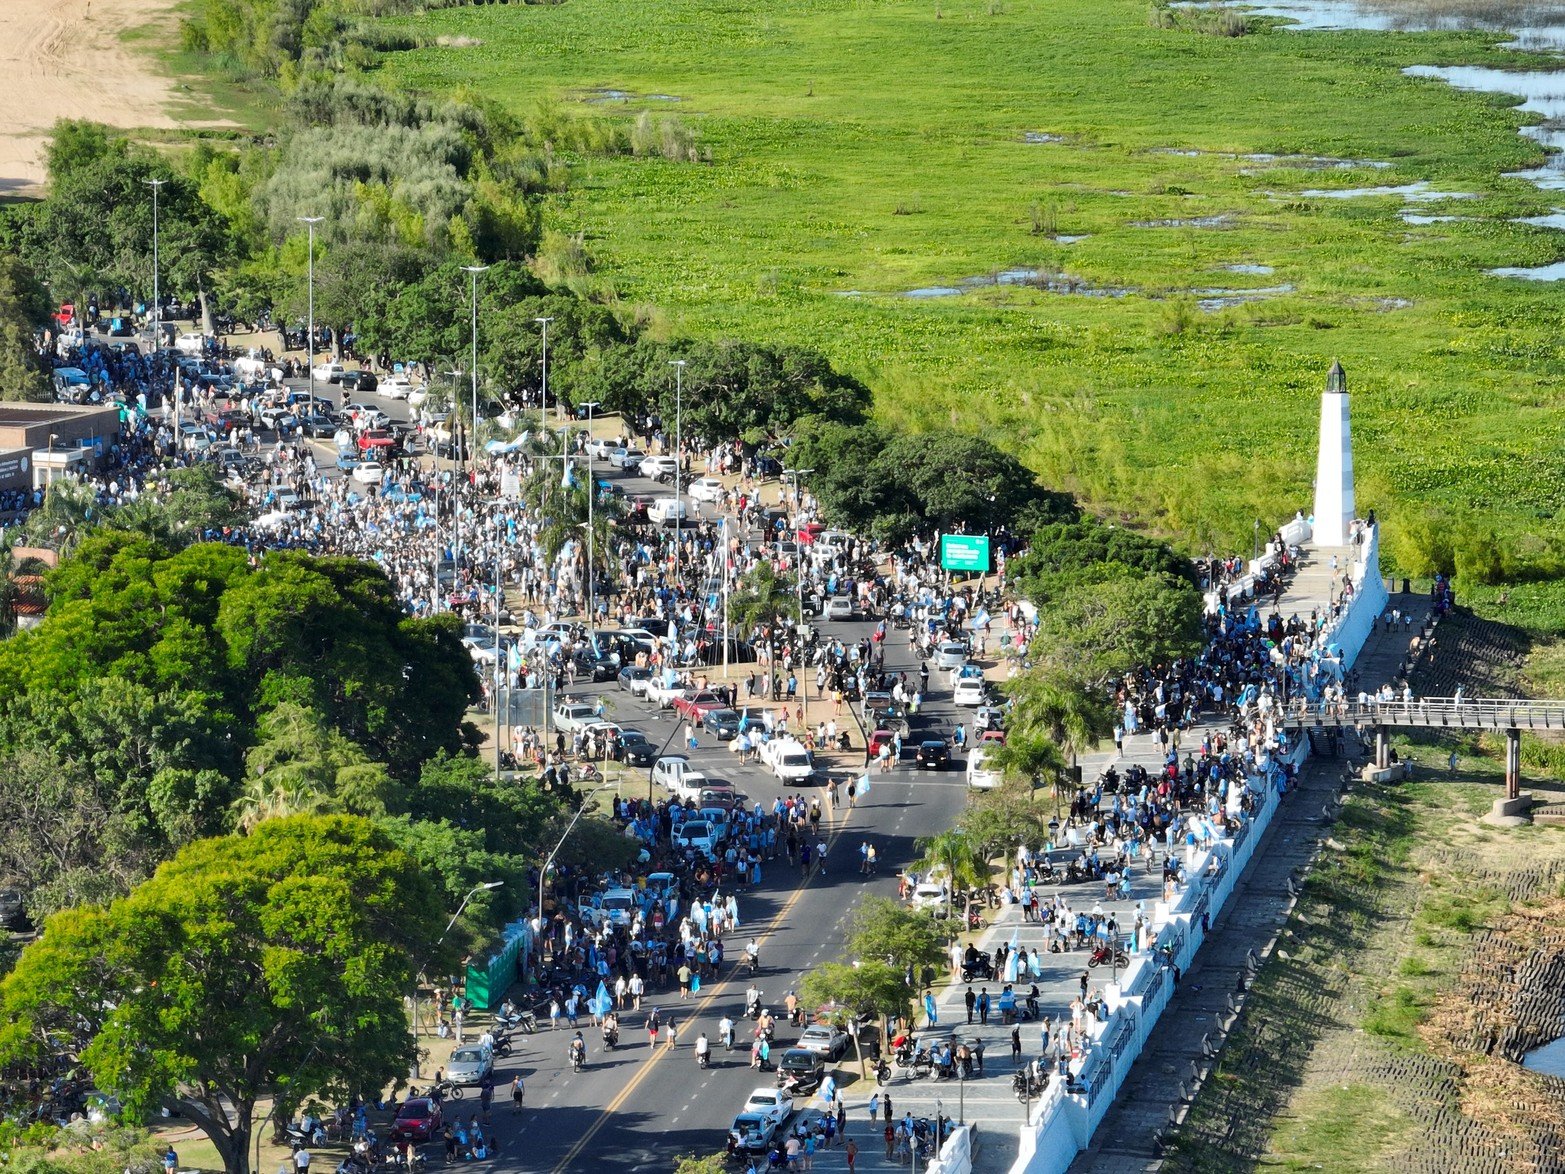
157, 305
473, 271
543, 392
482, 886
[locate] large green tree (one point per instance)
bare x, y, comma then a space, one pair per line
269, 965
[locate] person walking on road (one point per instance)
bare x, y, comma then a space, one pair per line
518, 1093
852, 1152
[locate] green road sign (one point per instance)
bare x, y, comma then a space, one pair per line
965, 552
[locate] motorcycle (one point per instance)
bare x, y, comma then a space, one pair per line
704, 1059
882, 1073
799, 1085
979, 967
502, 1043
1103, 954
610, 1036
1026, 1087
975, 919
578, 1056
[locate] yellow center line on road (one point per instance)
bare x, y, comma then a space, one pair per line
624, 1094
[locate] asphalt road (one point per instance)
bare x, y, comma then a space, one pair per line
646, 1106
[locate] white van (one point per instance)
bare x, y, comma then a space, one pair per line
666, 510
190, 343
981, 777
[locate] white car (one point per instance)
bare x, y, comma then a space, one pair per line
328, 372
368, 473
666, 511
839, 607
616, 907
626, 458
970, 691
788, 759
396, 387
675, 773
772, 1103
708, 489
484, 649
417, 397
698, 834
659, 468
570, 716
980, 775
930, 895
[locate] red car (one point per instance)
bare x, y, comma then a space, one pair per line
417, 1120
694, 706
377, 441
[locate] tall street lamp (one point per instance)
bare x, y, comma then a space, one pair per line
473, 271
157, 304
798, 570
543, 394
473, 892
543, 873
311, 222
679, 396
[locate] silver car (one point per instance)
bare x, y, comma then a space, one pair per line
470, 1064
951, 655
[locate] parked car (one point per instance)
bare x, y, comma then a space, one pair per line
771, 1103
753, 1132
665, 511
626, 458
980, 775
636, 749
570, 716
13, 911
659, 468
824, 1040
417, 1120
470, 1063
361, 381
932, 896
328, 372
706, 489
377, 441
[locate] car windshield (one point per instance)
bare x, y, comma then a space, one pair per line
696, 829
412, 1109
617, 902
467, 1056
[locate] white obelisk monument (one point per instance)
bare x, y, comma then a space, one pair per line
1334, 464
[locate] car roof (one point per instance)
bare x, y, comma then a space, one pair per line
932, 742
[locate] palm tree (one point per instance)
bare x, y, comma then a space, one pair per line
69, 510
274, 795
1061, 710
955, 854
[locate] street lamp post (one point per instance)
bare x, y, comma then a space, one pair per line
473, 271
543, 873
157, 304
309, 357
543, 392
679, 397
473, 892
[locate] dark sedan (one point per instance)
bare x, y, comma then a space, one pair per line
635, 749
933, 755
722, 722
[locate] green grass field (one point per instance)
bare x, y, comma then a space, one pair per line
881, 147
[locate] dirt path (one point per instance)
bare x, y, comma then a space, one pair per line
66, 59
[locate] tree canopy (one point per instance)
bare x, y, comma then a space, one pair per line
305, 933
156, 674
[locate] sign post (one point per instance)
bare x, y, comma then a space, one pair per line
965, 552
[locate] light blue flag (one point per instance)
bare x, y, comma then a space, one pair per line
929, 1010
602, 1003
863, 785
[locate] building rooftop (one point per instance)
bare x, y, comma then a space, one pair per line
14, 413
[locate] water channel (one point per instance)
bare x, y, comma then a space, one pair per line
1532, 29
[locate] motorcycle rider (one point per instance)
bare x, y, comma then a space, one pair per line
578, 1050
752, 953
611, 1029
703, 1050
752, 1001
725, 1031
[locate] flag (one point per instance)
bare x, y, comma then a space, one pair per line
863, 788
602, 1004
929, 1010
695, 983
